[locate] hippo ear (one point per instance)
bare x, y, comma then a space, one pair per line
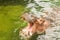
24, 16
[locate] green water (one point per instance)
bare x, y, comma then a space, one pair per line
10, 22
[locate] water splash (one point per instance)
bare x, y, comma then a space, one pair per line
49, 11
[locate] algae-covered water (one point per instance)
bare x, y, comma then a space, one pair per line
10, 21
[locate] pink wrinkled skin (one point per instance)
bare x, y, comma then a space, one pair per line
38, 26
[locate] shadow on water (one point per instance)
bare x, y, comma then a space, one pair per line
12, 2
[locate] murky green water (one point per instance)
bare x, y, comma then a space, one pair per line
10, 22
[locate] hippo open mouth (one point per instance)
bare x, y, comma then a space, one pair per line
35, 25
